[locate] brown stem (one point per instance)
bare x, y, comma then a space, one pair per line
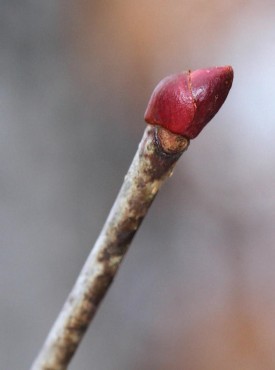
154, 161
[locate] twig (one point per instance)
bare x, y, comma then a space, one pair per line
154, 161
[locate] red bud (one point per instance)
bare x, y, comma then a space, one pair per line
184, 103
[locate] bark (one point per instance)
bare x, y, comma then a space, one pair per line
154, 161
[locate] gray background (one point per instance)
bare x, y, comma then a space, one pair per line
196, 290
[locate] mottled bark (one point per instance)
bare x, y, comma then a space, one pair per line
153, 163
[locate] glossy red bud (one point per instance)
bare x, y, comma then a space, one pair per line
184, 103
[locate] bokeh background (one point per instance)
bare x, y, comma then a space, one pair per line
197, 288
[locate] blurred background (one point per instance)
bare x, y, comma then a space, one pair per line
197, 288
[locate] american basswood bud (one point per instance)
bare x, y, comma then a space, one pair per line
184, 103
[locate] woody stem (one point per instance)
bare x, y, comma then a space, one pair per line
154, 161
